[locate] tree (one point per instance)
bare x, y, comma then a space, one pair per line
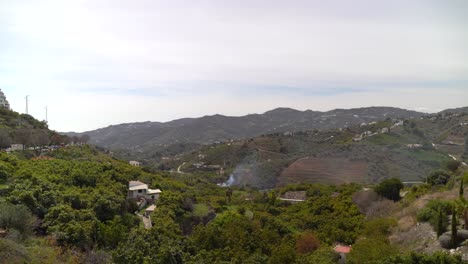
465, 154
5, 139
371, 250
440, 222
438, 177
84, 139
390, 189
229, 194
453, 165
16, 217
40, 138
23, 136
307, 243
453, 238
272, 199
461, 192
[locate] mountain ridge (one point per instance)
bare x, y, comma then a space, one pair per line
141, 136
213, 128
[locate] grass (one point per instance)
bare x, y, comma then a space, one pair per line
425, 155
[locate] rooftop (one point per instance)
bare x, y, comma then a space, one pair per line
151, 208
342, 249
135, 183
152, 191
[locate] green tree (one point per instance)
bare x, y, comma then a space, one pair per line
370, 251
461, 192
16, 217
454, 228
440, 223
390, 189
452, 165
5, 138
438, 177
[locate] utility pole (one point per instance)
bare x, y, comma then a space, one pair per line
27, 100
46, 117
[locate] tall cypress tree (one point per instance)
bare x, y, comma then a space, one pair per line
440, 223
454, 228
461, 192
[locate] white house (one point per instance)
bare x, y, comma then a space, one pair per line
138, 190
15, 147
135, 163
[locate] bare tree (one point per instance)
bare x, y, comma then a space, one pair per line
85, 139
40, 138
23, 136
5, 139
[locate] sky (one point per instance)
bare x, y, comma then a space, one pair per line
102, 62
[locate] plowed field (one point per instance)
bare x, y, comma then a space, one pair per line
324, 170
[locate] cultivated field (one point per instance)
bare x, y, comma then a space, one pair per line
324, 170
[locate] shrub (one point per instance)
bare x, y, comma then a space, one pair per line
390, 189
438, 177
307, 243
435, 213
16, 217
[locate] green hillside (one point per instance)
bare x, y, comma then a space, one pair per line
407, 149
71, 207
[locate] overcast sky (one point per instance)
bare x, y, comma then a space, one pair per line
102, 62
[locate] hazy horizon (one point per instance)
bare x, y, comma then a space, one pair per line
100, 63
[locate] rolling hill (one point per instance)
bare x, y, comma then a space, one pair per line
407, 149
151, 136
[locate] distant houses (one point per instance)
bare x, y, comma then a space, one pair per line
135, 163
3, 101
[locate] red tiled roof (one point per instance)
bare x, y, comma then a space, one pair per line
342, 249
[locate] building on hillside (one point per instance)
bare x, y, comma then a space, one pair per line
135, 163
16, 147
138, 190
294, 196
3, 101
342, 250
150, 210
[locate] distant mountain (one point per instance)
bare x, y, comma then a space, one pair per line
140, 137
461, 110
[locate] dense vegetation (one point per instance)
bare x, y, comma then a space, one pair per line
69, 205
75, 201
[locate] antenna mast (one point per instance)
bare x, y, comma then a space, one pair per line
27, 100
46, 114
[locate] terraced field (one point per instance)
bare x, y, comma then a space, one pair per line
324, 170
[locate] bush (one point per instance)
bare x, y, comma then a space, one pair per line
390, 189
438, 177
16, 217
307, 243
11, 252
452, 165
371, 251
418, 258
435, 213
